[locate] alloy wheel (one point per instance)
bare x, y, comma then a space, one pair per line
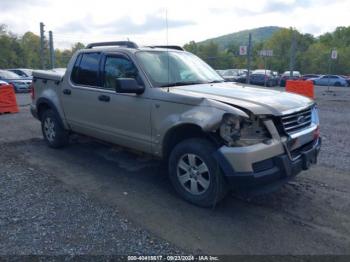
193, 174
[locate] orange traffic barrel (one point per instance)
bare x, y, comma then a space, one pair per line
305, 88
8, 102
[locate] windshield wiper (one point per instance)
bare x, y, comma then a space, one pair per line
183, 83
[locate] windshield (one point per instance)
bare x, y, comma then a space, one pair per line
171, 68
28, 72
8, 75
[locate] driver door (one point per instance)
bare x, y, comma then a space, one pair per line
125, 117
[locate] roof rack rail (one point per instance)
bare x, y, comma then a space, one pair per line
176, 47
127, 44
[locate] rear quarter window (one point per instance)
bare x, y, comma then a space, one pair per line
86, 69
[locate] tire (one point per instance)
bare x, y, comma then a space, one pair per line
204, 189
54, 133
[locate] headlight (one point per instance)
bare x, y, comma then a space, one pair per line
230, 128
314, 115
238, 131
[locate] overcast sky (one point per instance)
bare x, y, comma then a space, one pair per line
144, 21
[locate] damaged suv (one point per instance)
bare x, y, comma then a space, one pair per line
167, 102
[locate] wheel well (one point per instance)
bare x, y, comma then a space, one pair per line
180, 133
42, 108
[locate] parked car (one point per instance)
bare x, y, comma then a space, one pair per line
3, 83
19, 84
286, 76
220, 72
263, 77
213, 135
23, 72
308, 76
332, 80
347, 78
230, 75
242, 78
242, 71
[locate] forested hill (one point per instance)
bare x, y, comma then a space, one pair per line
258, 35
312, 54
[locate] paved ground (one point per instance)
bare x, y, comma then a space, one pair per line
77, 200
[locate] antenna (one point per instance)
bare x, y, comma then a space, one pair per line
167, 43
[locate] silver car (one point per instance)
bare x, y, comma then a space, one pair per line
20, 84
332, 80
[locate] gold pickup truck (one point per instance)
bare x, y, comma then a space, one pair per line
167, 102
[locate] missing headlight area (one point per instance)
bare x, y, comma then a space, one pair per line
239, 131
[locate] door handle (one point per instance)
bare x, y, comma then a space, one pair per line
67, 91
104, 98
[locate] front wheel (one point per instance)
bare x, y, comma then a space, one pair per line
195, 174
54, 133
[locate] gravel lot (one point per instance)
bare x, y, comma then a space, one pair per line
91, 198
335, 129
40, 215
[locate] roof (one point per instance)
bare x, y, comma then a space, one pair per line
128, 46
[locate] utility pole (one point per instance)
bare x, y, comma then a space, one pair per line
249, 57
292, 54
42, 45
52, 51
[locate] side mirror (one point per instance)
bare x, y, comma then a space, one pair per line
129, 86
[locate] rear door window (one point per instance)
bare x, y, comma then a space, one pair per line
86, 70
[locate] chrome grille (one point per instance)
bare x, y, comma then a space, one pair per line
296, 121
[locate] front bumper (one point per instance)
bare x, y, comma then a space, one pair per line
273, 171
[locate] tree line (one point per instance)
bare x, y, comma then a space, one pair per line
312, 54
24, 51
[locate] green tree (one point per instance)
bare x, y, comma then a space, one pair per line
24, 51
31, 46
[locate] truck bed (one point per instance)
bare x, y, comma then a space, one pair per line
49, 74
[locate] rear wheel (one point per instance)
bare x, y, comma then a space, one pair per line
54, 133
195, 174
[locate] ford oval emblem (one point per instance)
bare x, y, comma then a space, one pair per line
301, 119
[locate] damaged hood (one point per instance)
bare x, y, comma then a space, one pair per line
257, 100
